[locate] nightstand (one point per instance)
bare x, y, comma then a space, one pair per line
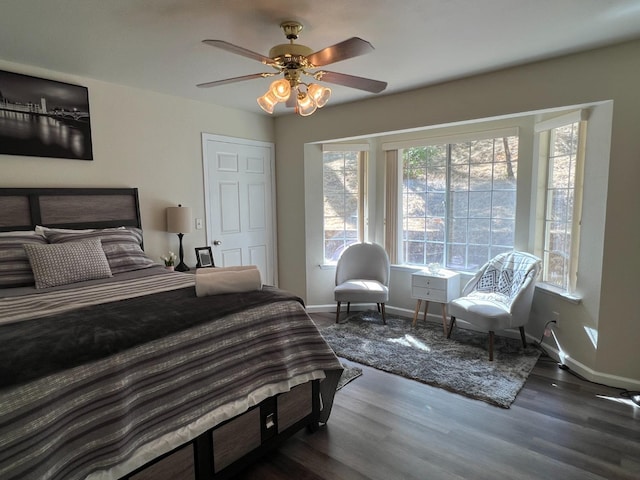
441, 287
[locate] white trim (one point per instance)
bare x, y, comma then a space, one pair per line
205, 137
345, 147
613, 381
360, 307
458, 138
562, 120
552, 290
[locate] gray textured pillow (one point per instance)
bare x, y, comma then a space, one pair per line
121, 245
66, 263
15, 270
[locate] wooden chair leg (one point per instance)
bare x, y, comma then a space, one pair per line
444, 318
348, 307
453, 322
338, 312
378, 305
415, 314
384, 318
491, 335
524, 338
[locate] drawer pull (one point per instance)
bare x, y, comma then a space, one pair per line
269, 422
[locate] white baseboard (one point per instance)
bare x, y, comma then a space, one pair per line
613, 381
358, 307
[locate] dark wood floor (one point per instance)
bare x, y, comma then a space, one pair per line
386, 427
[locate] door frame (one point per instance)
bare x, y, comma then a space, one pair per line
206, 137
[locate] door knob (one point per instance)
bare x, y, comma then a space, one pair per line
217, 242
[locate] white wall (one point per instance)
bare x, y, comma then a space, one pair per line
140, 139
611, 262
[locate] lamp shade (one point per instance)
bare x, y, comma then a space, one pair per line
179, 219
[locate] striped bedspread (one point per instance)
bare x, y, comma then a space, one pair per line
13, 309
107, 417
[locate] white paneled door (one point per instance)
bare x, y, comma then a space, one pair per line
239, 197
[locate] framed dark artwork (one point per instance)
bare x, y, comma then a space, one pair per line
44, 118
205, 257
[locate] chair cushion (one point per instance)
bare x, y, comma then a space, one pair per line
484, 313
361, 291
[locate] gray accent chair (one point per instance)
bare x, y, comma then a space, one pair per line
362, 276
499, 296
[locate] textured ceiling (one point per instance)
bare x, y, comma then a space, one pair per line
156, 44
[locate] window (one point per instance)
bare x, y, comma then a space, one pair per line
343, 201
458, 201
563, 151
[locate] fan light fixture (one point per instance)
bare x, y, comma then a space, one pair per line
294, 60
307, 99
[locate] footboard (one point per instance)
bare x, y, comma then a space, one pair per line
224, 450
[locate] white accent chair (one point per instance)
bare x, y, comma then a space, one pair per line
499, 296
362, 275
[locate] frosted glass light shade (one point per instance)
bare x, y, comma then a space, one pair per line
280, 89
306, 105
319, 94
267, 102
179, 219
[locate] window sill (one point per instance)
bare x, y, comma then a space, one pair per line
327, 266
407, 268
556, 292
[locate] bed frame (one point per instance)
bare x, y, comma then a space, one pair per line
219, 452
24, 208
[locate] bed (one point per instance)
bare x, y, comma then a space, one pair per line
112, 368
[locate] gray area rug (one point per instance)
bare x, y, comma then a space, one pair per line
460, 364
350, 373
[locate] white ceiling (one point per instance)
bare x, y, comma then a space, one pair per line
156, 44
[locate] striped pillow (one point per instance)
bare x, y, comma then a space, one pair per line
66, 263
122, 246
15, 270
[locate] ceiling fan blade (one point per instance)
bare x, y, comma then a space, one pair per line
353, 47
361, 83
235, 79
230, 47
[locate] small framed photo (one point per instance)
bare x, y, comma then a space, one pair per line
205, 257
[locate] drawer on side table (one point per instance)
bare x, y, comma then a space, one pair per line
441, 287
431, 294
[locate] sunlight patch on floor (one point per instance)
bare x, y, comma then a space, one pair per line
626, 401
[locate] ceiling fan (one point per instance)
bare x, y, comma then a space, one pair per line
296, 61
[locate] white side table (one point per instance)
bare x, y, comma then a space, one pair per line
441, 287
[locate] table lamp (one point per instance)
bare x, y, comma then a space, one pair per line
179, 221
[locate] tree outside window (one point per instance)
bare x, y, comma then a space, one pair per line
458, 202
561, 223
342, 201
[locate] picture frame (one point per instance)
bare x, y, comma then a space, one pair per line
204, 255
51, 118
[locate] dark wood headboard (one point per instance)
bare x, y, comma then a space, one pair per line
24, 208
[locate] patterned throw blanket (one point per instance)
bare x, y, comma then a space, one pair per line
84, 389
504, 275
